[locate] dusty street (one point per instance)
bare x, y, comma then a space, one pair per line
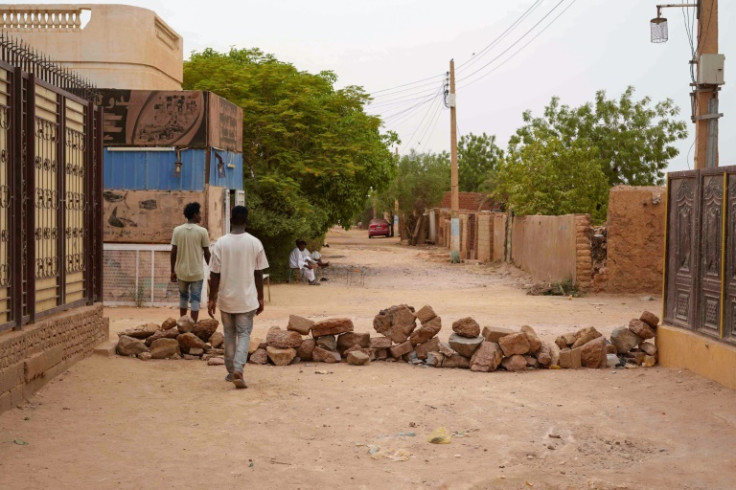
124, 423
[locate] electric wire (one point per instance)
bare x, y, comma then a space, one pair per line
434, 110
476, 57
468, 83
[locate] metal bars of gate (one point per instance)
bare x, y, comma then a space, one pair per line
50, 199
700, 260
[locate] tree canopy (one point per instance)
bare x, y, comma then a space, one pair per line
311, 153
478, 158
631, 140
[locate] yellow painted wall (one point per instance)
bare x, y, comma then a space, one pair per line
679, 348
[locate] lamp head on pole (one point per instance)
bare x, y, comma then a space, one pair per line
658, 26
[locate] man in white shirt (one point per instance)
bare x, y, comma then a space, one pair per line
236, 287
300, 259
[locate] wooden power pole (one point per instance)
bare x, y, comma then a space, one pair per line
705, 96
454, 196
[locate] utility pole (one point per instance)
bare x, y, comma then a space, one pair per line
397, 231
706, 94
454, 197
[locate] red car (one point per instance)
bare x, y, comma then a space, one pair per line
378, 227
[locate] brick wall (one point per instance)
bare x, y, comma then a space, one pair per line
31, 357
584, 261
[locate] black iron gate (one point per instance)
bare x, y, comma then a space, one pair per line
50, 189
700, 273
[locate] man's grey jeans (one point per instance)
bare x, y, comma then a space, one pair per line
237, 327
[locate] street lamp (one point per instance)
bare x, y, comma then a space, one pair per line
658, 25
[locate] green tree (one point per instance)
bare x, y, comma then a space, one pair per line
478, 159
421, 181
632, 140
547, 177
311, 153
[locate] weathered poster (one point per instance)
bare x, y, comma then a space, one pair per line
226, 124
154, 118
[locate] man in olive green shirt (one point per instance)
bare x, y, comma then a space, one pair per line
189, 243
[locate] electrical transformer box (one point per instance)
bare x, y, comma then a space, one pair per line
710, 69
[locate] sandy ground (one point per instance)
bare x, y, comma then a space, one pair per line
123, 423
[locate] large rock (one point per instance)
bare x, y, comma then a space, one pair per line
141, 331
350, 339
492, 334
396, 322
565, 340
466, 327
185, 324
299, 324
428, 330
434, 359
380, 342
130, 346
358, 358
584, 336
446, 350
281, 356
424, 349
463, 345
399, 350
648, 348
380, 354
304, 352
486, 358
255, 344
327, 342
425, 314
456, 362
544, 355
259, 356
570, 358
323, 355
593, 354
642, 329
159, 334
165, 348
189, 341
332, 326
516, 343
283, 339
650, 319
554, 351
534, 343
516, 362
215, 361
217, 340
168, 324
624, 339
205, 328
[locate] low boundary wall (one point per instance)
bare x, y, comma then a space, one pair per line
29, 358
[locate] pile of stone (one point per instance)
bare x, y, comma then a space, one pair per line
173, 339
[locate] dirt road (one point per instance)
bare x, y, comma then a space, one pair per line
124, 423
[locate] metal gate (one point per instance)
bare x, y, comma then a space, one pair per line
700, 272
50, 189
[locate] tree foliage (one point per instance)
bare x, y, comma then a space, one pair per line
631, 140
311, 153
421, 181
478, 159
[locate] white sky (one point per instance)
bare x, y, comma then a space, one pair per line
381, 44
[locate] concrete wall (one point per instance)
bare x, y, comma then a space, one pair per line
545, 246
31, 357
499, 237
150, 216
485, 236
636, 230
120, 47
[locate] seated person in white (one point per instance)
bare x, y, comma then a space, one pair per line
300, 259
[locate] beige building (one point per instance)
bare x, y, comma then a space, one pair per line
114, 46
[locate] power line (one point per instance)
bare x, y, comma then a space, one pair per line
522, 47
508, 30
518, 40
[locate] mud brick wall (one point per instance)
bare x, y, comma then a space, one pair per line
636, 229
31, 357
583, 261
485, 236
499, 237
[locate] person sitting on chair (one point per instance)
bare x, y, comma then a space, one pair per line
301, 260
316, 257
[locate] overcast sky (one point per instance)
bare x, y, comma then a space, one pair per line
383, 44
